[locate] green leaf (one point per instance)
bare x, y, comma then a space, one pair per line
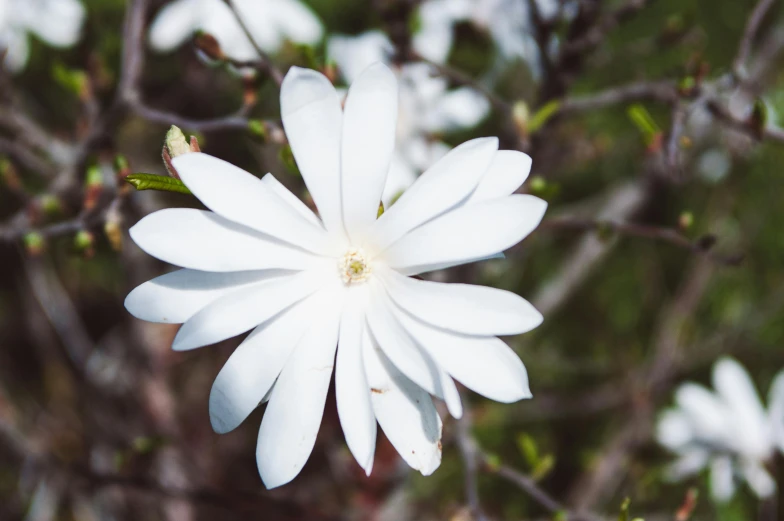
157, 182
528, 448
624, 514
644, 122
543, 115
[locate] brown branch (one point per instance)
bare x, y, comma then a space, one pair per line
233, 122
532, 489
470, 455
663, 91
701, 246
745, 126
606, 24
26, 158
753, 24
265, 63
464, 80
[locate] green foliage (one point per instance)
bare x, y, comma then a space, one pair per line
157, 182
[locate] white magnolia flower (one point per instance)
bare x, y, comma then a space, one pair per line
309, 286
56, 22
270, 22
728, 431
427, 107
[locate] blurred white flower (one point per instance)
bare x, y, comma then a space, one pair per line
56, 22
270, 22
311, 286
427, 107
728, 431
508, 22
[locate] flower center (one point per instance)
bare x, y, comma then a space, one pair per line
354, 266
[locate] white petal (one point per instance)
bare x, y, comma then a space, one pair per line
434, 42
451, 396
709, 417
401, 176
369, 121
251, 370
689, 463
312, 118
398, 346
174, 24
57, 22
441, 187
506, 174
467, 233
354, 54
722, 482
17, 49
177, 296
473, 310
244, 309
404, 411
776, 409
674, 430
296, 21
293, 416
760, 482
485, 365
242, 198
351, 388
292, 200
206, 241
458, 109
734, 386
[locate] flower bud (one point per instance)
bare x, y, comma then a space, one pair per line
93, 186
84, 241
209, 48
176, 144
113, 228
520, 115
686, 220
34, 243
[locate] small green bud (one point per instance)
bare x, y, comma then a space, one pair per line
94, 177
34, 243
521, 115
538, 184
83, 240
493, 462
256, 128
686, 220
380, 210
121, 165
50, 204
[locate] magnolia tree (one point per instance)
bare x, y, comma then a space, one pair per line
332, 195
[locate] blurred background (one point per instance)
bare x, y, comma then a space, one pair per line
654, 131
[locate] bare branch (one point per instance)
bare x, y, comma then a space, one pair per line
663, 91
753, 24
702, 246
265, 64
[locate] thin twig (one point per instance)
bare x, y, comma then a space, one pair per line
702, 246
265, 64
753, 24
662, 91
468, 451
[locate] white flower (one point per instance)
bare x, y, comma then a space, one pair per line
270, 22
261, 259
508, 22
727, 430
426, 108
56, 22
